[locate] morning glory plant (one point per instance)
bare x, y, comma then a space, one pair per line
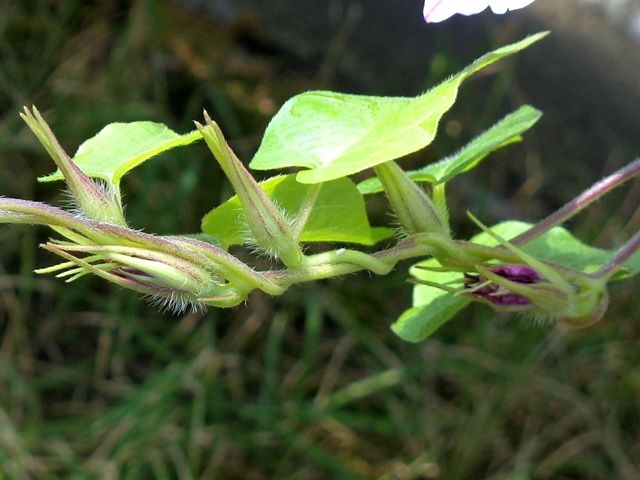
324, 137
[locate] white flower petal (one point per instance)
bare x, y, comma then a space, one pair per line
439, 10
503, 6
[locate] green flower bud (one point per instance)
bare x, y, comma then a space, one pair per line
268, 225
171, 282
94, 200
414, 209
175, 272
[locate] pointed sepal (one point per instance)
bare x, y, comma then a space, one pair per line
272, 231
94, 200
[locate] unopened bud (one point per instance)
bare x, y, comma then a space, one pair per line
414, 209
270, 228
577, 300
172, 282
95, 201
538, 287
513, 287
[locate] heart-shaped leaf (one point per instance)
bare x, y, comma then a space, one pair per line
120, 147
336, 134
433, 307
503, 133
338, 214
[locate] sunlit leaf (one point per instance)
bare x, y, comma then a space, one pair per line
338, 215
432, 307
120, 147
336, 134
503, 133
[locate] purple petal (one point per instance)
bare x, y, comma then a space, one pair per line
517, 273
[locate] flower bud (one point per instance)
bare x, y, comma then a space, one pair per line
513, 287
94, 200
176, 272
537, 287
580, 301
414, 209
270, 228
172, 282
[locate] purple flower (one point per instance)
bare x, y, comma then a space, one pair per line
497, 292
440, 10
526, 284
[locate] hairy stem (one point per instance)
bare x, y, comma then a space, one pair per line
579, 203
354, 257
621, 256
411, 247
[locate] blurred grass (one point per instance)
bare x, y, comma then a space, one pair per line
96, 384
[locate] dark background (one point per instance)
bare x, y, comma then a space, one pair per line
95, 383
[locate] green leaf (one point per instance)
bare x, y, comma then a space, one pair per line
380, 233
433, 307
336, 134
338, 214
503, 133
120, 147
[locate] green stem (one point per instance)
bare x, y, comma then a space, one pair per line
484, 253
353, 257
305, 210
454, 253
440, 200
579, 203
383, 260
